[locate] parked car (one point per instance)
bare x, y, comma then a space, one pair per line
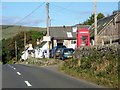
66, 53
55, 51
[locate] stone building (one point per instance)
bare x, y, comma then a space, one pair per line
107, 29
65, 35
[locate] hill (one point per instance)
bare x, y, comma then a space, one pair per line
9, 31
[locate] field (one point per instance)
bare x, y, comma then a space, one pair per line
9, 31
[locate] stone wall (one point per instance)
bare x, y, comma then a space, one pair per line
99, 64
96, 51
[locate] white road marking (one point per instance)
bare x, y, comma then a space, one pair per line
10, 66
28, 84
18, 73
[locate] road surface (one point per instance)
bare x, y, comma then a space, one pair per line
22, 76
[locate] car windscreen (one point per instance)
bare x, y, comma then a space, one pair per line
68, 50
61, 46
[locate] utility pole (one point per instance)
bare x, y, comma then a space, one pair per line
50, 22
47, 17
95, 22
24, 39
24, 44
47, 23
16, 50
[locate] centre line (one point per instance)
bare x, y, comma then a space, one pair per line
28, 84
18, 73
10, 66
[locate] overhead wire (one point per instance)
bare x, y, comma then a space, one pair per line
66, 9
29, 14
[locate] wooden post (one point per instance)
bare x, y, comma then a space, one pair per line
47, 23
24, 44
95, 22
16, 50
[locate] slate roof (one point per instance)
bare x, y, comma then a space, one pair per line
61, 31
101, 24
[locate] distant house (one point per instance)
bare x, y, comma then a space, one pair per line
64, 35
107, 29
28, 52
41, 50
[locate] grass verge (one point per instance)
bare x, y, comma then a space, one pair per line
108, 81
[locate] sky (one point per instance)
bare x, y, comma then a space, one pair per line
61, 13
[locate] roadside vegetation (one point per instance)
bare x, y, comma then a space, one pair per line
41, 61
8, 45
0, 62
95, 64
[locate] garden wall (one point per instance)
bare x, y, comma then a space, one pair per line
95, 63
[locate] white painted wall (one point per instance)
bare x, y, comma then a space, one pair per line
68, 44
39, 52
24, 56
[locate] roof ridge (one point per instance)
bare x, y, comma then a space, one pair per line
107, 17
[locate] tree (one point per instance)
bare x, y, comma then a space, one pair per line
90, 21
100, 15
8, 45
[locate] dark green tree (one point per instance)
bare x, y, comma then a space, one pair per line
90, 21
8, 45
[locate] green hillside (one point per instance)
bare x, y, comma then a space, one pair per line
9, 31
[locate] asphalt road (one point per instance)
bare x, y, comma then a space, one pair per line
22, 76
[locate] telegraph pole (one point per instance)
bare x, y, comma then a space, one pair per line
47, 17
47, 23
95, 22
24, 39
16, 50
24, 44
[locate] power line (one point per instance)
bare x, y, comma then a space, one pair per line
66, 9
29, 14
63, 8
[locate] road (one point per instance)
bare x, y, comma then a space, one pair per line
22, 76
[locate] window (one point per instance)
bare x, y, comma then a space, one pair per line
69, 34
73, 41
74, 29
83, 38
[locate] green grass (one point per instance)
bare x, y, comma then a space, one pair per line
10, 31
0, 62
110, 81
10, 62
